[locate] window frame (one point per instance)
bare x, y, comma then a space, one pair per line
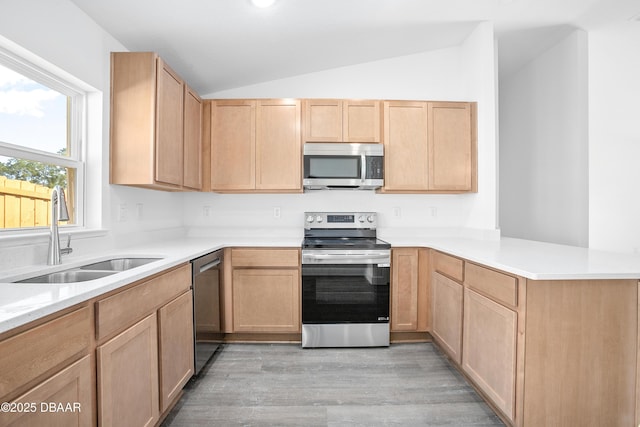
76, 137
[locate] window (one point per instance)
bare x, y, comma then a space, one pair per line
41, 123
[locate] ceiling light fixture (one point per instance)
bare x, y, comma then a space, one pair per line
263, 3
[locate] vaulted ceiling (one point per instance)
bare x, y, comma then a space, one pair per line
222, 44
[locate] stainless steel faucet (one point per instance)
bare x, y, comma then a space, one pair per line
59, 212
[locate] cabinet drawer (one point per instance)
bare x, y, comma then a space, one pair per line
448, 265
125, 308
29, 355
499, 286
265, 257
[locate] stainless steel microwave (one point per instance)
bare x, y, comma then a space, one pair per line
343, 166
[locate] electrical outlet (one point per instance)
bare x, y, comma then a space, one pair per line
139, 211
206, 211
276, 212
122, 212
397, 212
432, 211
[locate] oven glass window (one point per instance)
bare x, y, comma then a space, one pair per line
333, 167
345, 293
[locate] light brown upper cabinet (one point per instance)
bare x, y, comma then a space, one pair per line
256, 145
405, 146
155, 124
430, 147
341, 120
233, 151
192, 162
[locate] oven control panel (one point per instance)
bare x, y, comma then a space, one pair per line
333, 220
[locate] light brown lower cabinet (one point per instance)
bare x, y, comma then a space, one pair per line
263, 295
489, 349
266, 300
410, 308
128, 376
119, 359
581, 358
447, 300
404, 289
145, 348
542, 352
70, 393
175, 332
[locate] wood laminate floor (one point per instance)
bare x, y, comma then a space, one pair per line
285, 385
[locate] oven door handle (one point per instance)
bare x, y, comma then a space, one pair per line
356, 258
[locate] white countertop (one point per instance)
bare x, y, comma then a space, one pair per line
21, 303
535, 260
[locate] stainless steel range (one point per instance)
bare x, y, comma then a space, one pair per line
345, 281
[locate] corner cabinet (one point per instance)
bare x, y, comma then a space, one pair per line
341, 120
255, 146
156, 122
430, 147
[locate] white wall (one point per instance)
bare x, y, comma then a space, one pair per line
464, 73
65, 40
544, 192
76, 45
614, 137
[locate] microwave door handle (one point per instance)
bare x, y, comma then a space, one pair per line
363, 167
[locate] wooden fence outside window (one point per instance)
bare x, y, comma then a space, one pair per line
23, 204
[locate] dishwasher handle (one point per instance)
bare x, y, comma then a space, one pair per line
210, 265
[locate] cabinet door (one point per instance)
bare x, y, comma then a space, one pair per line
266, 300
176, 347
233, 135
447, 314
489, 349
361, 121
404, 289
128, 376
169, 126
278, 145
451, 146
60, 339
323, 120
192, 170
71, 388
405, 144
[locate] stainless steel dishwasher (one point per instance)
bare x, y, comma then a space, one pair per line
207, 328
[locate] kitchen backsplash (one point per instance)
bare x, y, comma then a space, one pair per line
397, 211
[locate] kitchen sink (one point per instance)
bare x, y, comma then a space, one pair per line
118, 264
68, 276
95, 270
